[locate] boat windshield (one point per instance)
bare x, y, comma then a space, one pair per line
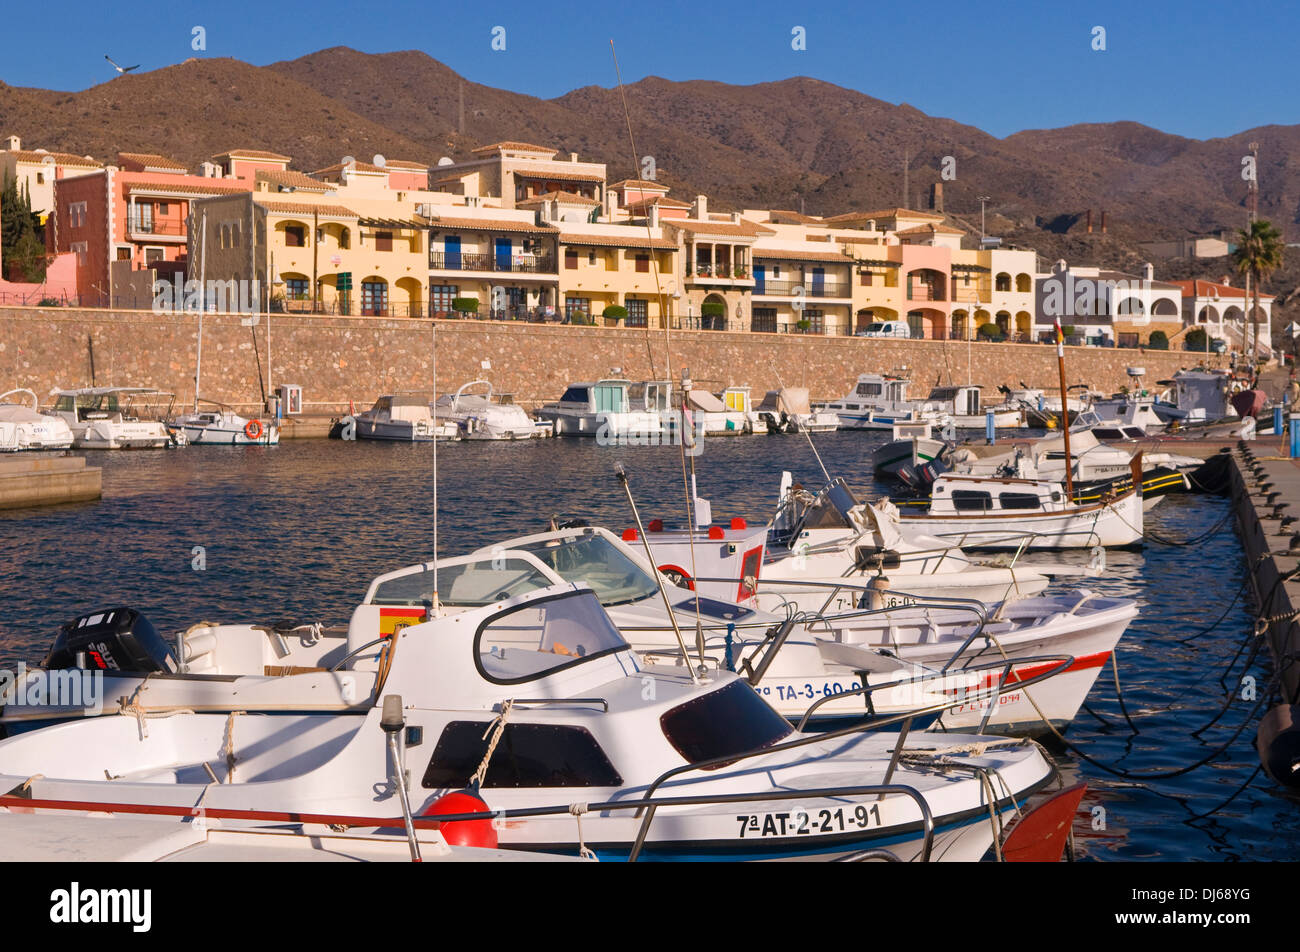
591, 558
540, 637
830, 510
467, 585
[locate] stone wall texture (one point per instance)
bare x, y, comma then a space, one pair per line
338, 360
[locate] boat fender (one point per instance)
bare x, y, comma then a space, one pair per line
253, 429
1278, 743
478, 833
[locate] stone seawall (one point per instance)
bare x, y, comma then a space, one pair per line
337, 360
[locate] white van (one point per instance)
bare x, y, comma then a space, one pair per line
885, 329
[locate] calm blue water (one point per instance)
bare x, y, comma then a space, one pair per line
300, 529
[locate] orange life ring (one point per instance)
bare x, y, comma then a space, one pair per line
253, 429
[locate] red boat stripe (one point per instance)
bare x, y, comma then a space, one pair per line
1026, 672
23, 803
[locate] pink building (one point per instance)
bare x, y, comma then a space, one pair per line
126, 220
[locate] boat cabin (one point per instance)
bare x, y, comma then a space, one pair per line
962, 401
100, 403
963, 495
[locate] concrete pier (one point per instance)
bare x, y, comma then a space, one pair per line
1266, 495
40, 480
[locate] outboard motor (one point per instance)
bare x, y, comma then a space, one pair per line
118, 639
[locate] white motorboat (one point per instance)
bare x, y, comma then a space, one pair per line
104, 418
26, 428
1097, 467
788, 410
486, 415
878, 401
912, 445
737, 400
222, 426
990, 512
601, 409
544, 674
404, 418
830, 537
962, 405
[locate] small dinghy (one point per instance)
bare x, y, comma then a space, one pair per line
222, 426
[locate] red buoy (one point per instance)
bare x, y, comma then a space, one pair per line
464, 832
655, 525
716, 532
737, 523
629, 535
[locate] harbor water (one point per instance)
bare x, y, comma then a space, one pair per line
258, 534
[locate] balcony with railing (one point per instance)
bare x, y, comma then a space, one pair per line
155, 229
474, 261
811, 289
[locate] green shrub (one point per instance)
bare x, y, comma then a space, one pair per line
1195, 339
713, 309
1159, 340
614, 312
465, 305
990, 331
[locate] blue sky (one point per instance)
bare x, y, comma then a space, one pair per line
1000, 66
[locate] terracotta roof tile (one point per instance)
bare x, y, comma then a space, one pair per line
489, 224
1202, 288
772, 254
572, 197
620, 241
253, 154
298, 180
356, 167
643, 184
186, 189
152, 160
557, 176
62, 158
882, 213
746, 228
514, 147
663, 200
932, 229
306, 208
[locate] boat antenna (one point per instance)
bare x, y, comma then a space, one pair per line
1065, 414
433, 343
203, 303
621, 474
806, 431
668, 376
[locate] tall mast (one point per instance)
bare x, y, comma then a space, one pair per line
1065, 414
203, 302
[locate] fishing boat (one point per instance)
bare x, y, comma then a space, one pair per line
710, 416
788, 410
600, 408
404, 418
992, 512
222, 426
486, 415
962, 405
545, 677
104, 418
878, 401
1098, 468
26, 428
737, 400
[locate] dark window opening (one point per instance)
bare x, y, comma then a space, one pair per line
1018, 500
730, 721
528, 755
966, 499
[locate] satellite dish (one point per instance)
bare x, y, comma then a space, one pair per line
379, 161
348, 161
446, 160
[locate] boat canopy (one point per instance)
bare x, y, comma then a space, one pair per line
790, 400
705, 402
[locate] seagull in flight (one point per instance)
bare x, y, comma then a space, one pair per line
121, 69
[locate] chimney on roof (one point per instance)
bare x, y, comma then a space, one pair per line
1148, 272
936, 197
209, 170
652, 214
573, 157
1103, 221
1226, 280
735, 218
1089, 219
611, 202
700, 209
13, 143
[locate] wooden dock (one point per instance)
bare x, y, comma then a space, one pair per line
45, 480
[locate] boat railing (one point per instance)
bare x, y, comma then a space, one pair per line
991, 692
650, 805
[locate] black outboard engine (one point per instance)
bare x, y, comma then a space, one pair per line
118, 639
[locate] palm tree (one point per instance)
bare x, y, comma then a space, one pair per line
1258, 254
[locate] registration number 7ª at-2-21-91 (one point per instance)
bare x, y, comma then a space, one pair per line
809, 822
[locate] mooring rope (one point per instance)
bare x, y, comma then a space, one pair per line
496, 728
